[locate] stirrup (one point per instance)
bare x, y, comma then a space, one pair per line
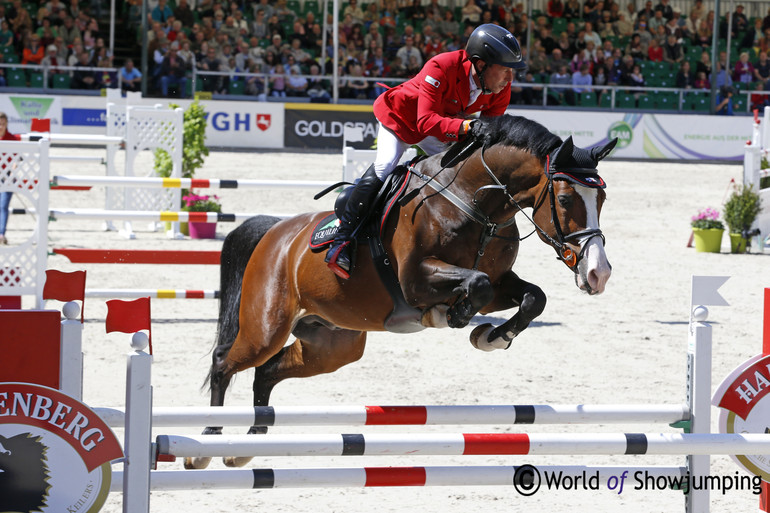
333, 262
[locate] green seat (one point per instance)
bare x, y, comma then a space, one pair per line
646, 101
236, 87
667, 101
312, 6
36, 80
625, 101
294, 5
17, 79
739, 103
587, 99
605, 100
702, 103
61, 81
559, 25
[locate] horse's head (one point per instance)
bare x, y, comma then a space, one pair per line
567, 212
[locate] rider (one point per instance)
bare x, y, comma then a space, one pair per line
431, 110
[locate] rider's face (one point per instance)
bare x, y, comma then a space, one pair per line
496, 77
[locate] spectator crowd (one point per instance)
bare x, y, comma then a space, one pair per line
273, 47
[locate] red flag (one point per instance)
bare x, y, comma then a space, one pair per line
129, 316
40, 125
63, 286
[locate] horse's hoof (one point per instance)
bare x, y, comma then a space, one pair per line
233, 461
196, 463
480, 339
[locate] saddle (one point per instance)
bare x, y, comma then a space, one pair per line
403, 317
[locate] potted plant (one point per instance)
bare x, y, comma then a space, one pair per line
707, 230
202, 203
741, 209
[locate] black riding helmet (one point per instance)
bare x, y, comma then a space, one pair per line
494, 45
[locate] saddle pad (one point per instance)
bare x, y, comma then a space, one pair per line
324, 232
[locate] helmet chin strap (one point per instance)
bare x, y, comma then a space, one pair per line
480, 74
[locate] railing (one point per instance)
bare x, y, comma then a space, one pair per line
49, 71
647, 95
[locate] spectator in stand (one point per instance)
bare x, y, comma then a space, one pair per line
664, 8
406, 52
766, 21
601, 79
744, 70
449, 26
753, 36
635, 48
259, 26
740, 22
655, 51
555, 8
538, 60
130, 77
556, 61
83, 78
605, 27
296, 85
635, 78
656, 21
6, 35
581, 79
685, 79
764, 42
762, 70
690, 29
546, 40
673, 29
33, 52
173, 72
229, 29
698, 9
624, 27
561, 95
285, 15
704, 64
471, 13
725, 101
591, 12
276, 71
572, 10
162, 12
723, 78
106, 78
263, 5
704, 35
673, 52
51, 61
357, 14
5, 197
563, 44
701, 81
582, 58
183, 13
210, 62
373, 34
255, 84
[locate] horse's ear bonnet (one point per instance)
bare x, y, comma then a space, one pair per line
578, 165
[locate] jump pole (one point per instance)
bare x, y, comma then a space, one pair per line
764, 497
186, 183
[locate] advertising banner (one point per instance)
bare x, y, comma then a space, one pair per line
652, 136
21, 108
319, 126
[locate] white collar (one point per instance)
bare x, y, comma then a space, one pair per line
475, 90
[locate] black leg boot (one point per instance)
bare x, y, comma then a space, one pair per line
339, 257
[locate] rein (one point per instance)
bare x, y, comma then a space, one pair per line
473, 212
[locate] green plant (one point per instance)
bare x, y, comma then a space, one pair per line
194, 148
742, 207
197, 203
707, 219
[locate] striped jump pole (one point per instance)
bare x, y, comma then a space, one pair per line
138, 256
187, 183
462, 444
153, 293
140, 215
403, 415
367, 477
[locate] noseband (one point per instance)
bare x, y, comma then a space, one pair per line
564, 252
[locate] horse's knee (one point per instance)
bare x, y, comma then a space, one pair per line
480, 290
533, 302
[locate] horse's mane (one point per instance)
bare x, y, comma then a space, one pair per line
519, 132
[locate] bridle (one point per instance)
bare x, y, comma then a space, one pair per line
564, 252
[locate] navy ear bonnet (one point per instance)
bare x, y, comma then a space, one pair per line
578, 165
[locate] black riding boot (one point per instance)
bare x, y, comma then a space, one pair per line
338, 257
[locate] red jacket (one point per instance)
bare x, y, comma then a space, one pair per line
433, 102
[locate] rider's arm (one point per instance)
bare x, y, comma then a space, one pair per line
435, 108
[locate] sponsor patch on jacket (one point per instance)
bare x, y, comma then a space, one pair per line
432, 81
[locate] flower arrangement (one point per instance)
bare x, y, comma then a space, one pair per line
198, 203
707, 219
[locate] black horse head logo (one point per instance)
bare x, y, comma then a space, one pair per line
23, 474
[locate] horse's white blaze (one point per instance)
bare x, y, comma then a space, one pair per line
597, 269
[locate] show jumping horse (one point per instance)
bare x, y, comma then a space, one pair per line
451, 240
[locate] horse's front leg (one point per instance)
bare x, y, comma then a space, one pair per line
511, 292
467, 291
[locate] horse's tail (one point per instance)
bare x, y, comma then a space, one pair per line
236, 253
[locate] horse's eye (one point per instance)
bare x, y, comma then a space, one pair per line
565, 200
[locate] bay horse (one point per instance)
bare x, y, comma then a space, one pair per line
451, 240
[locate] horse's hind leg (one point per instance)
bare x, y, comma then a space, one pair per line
317, 350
